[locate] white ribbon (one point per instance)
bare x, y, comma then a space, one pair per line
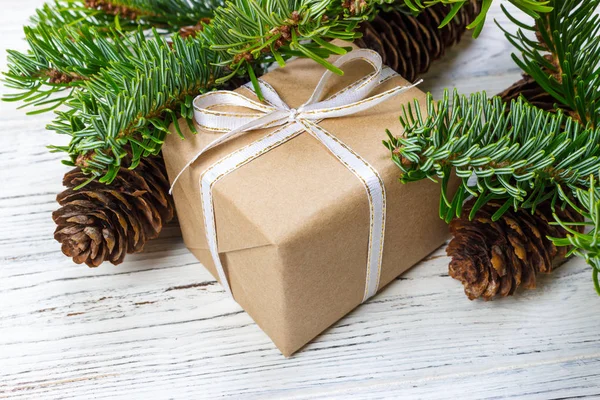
291, 122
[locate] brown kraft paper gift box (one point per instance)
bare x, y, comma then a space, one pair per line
293, 224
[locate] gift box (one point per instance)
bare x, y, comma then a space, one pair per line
297, 232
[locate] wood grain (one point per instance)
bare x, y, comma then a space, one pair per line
160, 327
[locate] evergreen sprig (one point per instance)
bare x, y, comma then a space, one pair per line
156, 13
564, 56
533, 8
71, 40
133, 102
246, 32
564, 59
584, 244
125, 86
59, 63
519, 155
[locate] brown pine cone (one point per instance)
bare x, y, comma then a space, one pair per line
495, 258
102, 222
409, 44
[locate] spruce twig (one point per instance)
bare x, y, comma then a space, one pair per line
133, 103
533, 8
126, 87
519, 155
584, 244
71, 40
564, 59
523, 157
565, 63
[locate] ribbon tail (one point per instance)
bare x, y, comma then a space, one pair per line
222, 168
375, 189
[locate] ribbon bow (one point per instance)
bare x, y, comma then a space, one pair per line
291, 122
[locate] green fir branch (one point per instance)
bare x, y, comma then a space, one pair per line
71, 40
533, 8
131, 86
584, 244
564, 58
132, 103
245, 33
155, 13
518, 154
58, 63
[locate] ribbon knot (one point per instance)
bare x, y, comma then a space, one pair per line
291, 122
293, 115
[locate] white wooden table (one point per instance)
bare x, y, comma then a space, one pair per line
159, 326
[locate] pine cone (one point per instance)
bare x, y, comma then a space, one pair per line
495, 258
409, 44
104, 222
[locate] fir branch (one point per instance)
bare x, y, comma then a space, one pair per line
533, 8
519, 155
245, 33
584, 244
133, 102
71, 40
132, 98
58, 39
565, 58
122, 9
173, 13
565, 63
60, 14
57, 63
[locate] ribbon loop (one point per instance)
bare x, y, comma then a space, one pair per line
224, 121
352, 99
369, 56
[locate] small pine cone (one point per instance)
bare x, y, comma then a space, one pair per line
102, 222
409, 44
495, 258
